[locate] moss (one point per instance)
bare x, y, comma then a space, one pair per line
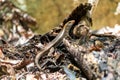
50, 13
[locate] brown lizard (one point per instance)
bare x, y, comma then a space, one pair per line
64, 32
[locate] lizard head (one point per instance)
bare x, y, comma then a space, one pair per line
69, 23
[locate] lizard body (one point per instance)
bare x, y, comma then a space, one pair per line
54, 42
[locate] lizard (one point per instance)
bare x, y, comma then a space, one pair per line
64, 32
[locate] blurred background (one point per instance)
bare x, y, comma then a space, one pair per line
50, 13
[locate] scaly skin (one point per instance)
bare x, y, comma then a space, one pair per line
64, 32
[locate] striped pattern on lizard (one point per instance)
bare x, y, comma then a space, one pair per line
64, 32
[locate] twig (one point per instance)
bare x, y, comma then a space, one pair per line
103, 35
